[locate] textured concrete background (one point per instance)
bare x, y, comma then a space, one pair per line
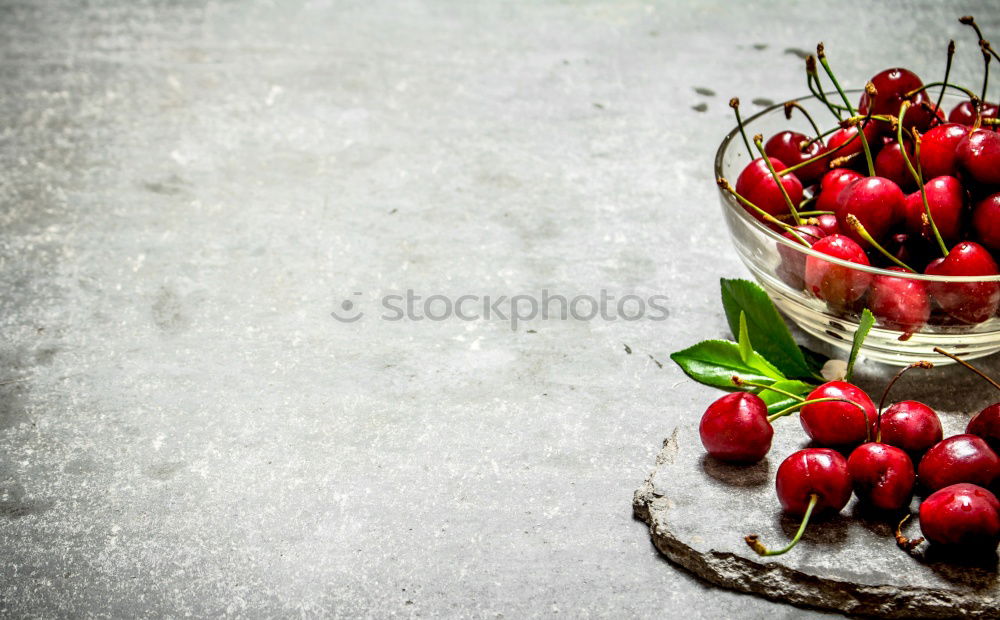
189, 189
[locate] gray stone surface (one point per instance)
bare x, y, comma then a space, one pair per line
189, 189
847, 562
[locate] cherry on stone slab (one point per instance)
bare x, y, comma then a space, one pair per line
882, 476
962, 515
969, 302
735, 428
986, 221
757, 185
813, 471
830, 186
837, 285
937, 150
838, 423
878, 204
900, 304
911, 426
978, 155
946, 199
960, 458
889, 164
986, 424
792, 147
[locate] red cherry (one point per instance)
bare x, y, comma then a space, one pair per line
844, 135
911, 426
814, 471
876, 202
828, 224
839, 286
889, 164
882, 475
757, 185
960, 458
946, 199
986, 424
792, 147
910, 249
986, 221
969, 302
893, 86
838, 423
793, 262
830, 186
735, 428
979, 155
963, 515
965, 114
937, 150
901, 304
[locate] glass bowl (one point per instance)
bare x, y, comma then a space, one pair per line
774, 259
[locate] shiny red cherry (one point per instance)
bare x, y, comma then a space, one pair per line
911, 426
894, 86
828, 224
965, 114
979, 156
851, 141
735, 428
838, 285
757, 185
960, 458
962, 515
830, 186
838, 423
876, 202
792, 147
986, 424
900, 304
882, 476
814, 471
986, 221
889, 163
969, 302
792, 267
946, 199
937, 150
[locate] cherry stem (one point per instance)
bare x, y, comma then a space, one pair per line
726, 187
918, 174
831, 399
859, 228
969, 366
902, 541
984, 46
943, 86
758, 141
885, 393
734, 103
947, 74
822, 155
812, 81
808, 214
741, 382
754, 540
821, 55
794, 105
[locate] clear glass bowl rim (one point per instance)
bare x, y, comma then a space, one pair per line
742, 212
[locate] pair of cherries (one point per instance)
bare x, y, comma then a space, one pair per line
957, 470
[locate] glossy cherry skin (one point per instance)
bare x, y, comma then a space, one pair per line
946, 199
889, 164
911, 426
959, 458
793, 262
986, 424
882, 476
876, 202
961, 515
852, 145
969, 302
893, 86
735, 428
828, 224
900, 304
792, 147
830, 186
838, 423
979, 156
965, 114
757, 184
937, 150
839, 286
986, 221
813, 471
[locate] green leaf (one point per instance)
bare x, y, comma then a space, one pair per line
776, 402
714, 362
746, 349
770, 334
864, 326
